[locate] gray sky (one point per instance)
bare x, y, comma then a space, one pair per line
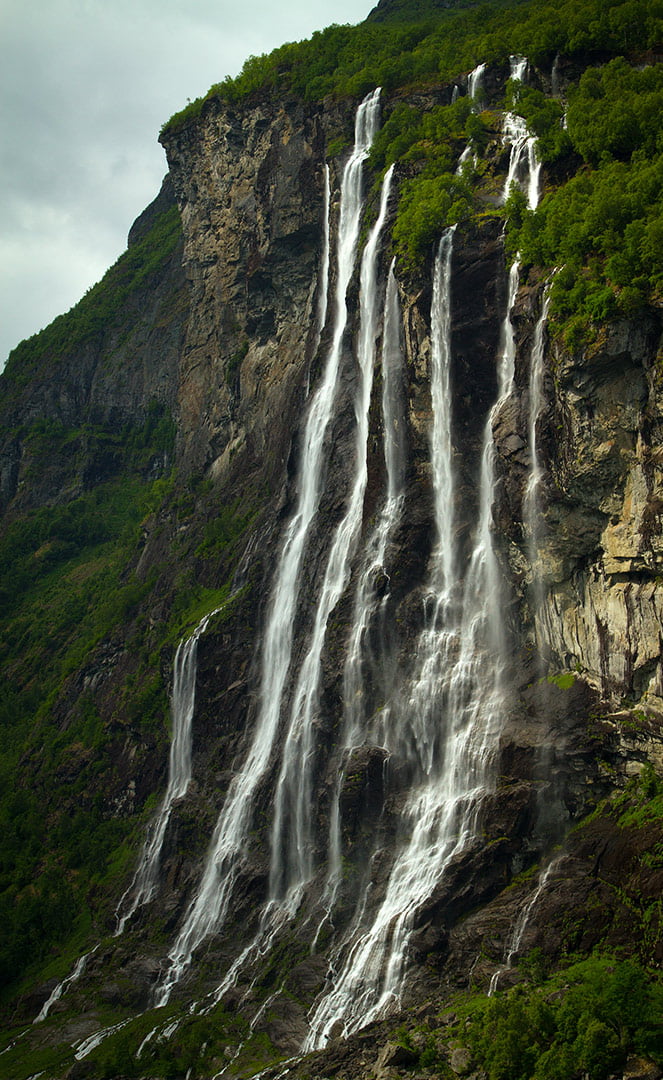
85, 86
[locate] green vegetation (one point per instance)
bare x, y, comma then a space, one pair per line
564, 681
604, 227
642, 802
434, 196
198, 1043
93, 316
69, 589
65, 587
586, 1019
601, 226
347, 61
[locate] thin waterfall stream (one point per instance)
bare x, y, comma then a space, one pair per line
145, 880
146, 877
532, 495
368, 604
522, 922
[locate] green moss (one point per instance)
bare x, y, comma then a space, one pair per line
564, 681
642, 802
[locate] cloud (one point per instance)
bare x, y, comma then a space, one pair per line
85, 87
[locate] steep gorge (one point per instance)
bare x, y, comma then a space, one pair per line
404, 715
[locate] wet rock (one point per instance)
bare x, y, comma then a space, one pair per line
428, 939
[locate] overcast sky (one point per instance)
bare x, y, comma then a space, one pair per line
85, 86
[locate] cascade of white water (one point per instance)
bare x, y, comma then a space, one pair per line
531, 507
534, 172
483, 587
182, 705
444, 554
60, 989
465, 155
554, 77
475, 81
367, 972
145, 879
323, 283
518, 65
93, 1041
292, 841
474, 87
520, 925
367, 604
393, 400
461, 700
439, 637
209, 906
522, 157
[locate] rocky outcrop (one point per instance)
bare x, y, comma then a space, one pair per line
601, 551
250, 185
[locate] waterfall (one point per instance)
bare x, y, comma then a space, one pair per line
484, 577
393, 409
367, 603
209, 906
88, 1045
465, 155
555, 84
368, 962
531, 502
292, 839
518, 66
475, 81
522, 157
474, 86
518, 930
323, 282
145, 880
452, 715
60, 989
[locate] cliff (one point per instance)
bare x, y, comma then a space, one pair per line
390, 545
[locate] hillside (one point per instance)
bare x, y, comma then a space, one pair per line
331, 576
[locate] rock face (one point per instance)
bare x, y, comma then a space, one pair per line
250, 186
238, 364
117, 358
603, 555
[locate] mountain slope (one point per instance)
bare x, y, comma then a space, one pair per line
406, 518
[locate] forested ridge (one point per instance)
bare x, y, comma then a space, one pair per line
605, 141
